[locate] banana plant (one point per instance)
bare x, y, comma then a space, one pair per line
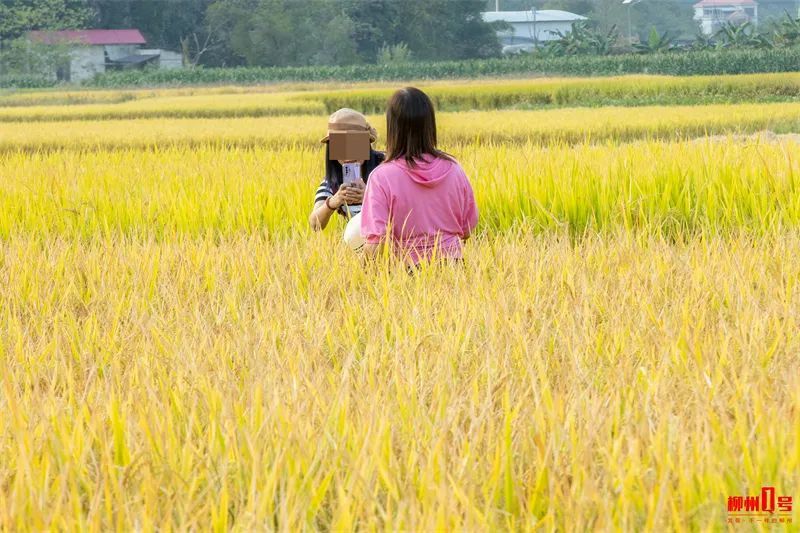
583, 40
742, 36
655, 43
704, 42
787, 31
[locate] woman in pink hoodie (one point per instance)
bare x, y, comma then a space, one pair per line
419, 200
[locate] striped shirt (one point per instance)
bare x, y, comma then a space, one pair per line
324, 192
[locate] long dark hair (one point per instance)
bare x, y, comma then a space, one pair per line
333, 169
411, 127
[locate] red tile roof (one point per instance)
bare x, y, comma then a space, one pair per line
713, 3
92, 37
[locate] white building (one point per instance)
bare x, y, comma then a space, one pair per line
533, 27
713, 14
96, 51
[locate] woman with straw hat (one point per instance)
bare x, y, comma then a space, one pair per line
333, 194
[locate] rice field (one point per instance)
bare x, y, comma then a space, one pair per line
178, 350
452, 95
669, 188
613, 124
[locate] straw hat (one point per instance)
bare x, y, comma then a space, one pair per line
347, 119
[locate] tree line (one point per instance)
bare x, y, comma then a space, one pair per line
275, 32
282, 33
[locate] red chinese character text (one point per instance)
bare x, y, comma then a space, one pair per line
751, 503
735, 503
785, 504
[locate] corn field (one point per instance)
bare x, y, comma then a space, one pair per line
690, 63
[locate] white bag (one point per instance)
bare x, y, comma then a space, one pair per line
352, 233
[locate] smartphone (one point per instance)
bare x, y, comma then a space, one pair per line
351, 172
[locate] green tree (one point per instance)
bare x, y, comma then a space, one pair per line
673, 16
273, 32
20, 16
336, 46
430, 29
376, 25
278, 33
177, 25
444, 29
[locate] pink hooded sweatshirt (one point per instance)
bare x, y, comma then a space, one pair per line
433, 200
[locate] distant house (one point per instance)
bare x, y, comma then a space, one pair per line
531, 28
713, 14
97, 51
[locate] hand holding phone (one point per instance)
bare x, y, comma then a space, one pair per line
353, 193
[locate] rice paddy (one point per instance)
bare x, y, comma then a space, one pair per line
178, 350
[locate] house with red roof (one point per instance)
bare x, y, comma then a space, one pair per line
713, 14
96, 51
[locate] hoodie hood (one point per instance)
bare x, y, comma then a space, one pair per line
429, 171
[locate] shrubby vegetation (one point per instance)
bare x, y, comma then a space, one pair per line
396, 68
22, 63
587, 38
586, 51
701, 62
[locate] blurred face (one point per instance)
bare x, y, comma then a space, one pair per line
359, 161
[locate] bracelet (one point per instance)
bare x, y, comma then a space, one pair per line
329, 205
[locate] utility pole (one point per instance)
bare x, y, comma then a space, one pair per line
630, 3
630, 32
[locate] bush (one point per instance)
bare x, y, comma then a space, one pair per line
394, 54
22, 63
25, 81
